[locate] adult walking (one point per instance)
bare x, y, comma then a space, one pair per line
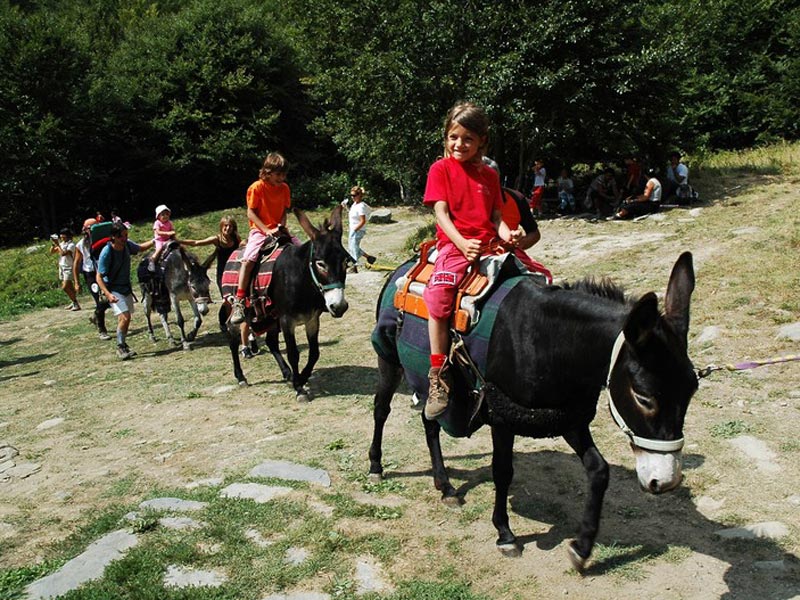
114, 279
85, 264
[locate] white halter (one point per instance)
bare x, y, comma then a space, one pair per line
646, 443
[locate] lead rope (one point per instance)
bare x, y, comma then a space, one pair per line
743, 366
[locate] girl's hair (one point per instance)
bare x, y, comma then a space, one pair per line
469, 116
273, 163
228, 220
357, 190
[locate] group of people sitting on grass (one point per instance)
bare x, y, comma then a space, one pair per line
611, 197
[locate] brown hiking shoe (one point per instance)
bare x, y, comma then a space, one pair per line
438, 392
237, 316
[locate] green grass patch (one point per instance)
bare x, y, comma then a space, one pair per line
729, 429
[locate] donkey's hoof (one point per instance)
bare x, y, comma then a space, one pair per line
578, 562
375, 478
511, 550
303, 396
186, 346
153, 339
243, 383
452, 501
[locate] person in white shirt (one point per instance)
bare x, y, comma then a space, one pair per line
677, 179
358, 215
65, 248
647, 202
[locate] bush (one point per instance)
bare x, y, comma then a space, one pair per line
311, 192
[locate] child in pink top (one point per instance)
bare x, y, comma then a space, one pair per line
466, 198
163, 232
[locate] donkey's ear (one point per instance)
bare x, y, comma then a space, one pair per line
305, 223
335, 223
679, 294
642, 320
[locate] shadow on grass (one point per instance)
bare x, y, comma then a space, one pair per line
10, 341
24, 360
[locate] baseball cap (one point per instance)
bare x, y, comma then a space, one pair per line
161, 208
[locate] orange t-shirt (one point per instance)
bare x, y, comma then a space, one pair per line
511, 216
269, 202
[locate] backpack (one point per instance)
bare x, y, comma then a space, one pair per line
99, 236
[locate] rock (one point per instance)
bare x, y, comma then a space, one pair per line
87, 566
770, 565
184, 577
23, 470
258, 539
380, 216
224, 389
180, 523
296, 556
745, 230
174, 504
32, 249
256, 492
708, 506
789, 332
211, 482
281, 469
758, 451
772, 530
695, 212
49, 382
708, 334
49, 424
7, 452
369, 577
794, 500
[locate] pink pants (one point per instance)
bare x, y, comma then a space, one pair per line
254, 242
449, 270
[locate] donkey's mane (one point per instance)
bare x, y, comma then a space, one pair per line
605, 288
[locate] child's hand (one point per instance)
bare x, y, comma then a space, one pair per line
471, 249
515, 235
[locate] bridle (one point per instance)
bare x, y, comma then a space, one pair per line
641, 442
322, 287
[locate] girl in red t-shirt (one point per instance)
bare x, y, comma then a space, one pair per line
466, 199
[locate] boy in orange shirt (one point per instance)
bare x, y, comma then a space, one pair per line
268, 199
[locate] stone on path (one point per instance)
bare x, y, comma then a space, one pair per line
745, 230
708, 506
224, 389
771, 530
83, 568
259, 540
175, 504
789, 332
49, 424
210, 482
180, 523
23, 470
296, 556
709, 334
256, 492
298, 596
183, 577
380, 215
758, 451
282, 469
695, 212
369, 577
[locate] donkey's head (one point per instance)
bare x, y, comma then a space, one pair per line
652, 380
198, 281
328, 259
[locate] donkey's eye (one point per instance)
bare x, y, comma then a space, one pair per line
321, 266
644, 401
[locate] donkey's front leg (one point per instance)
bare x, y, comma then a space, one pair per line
234, 334
293, 354
176, 307
440, 479
273, 343
312, 336
597, 473
147, 305
388, 379
198, 320
502, 474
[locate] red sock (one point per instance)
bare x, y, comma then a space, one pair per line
437, 360
240, 293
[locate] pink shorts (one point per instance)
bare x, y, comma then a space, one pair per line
449, 270
254, 242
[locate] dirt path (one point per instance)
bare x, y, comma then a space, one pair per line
170, 417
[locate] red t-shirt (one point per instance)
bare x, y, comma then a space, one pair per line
472, 193
269, 202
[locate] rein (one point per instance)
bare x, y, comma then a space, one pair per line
321, 287
641, 442
743, 366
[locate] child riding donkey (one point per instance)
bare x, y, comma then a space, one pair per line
466, 198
